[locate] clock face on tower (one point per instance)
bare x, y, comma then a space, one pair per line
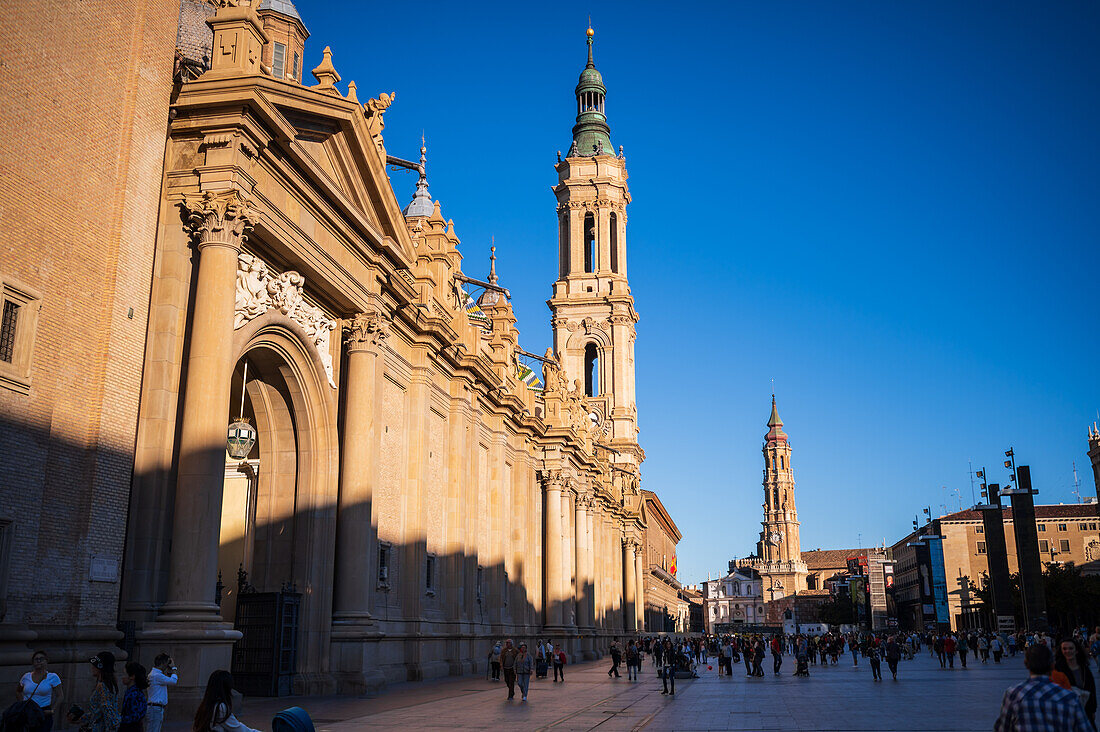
775, 536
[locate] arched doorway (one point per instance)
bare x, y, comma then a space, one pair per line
279, 503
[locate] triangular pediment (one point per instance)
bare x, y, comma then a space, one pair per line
339, 154
320, 140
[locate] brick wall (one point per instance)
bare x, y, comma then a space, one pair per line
84, 105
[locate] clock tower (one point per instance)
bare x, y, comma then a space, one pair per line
779, 549
593, 311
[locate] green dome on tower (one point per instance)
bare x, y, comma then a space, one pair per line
591, 133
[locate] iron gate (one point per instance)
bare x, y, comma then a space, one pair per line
266, 657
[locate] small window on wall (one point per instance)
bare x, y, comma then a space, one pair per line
477, 584
1063, 545
1063, 527
979, 530
1044, 546
19, 308
981, 547
385, 551
429, 574
1042, 527
295, 70
278, 61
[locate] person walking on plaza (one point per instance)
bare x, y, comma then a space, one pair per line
777, 655
963, 649
42, 687
750, 654
523, 667
853, 648
949, 647
938, 650
1073, 664
558, 656
633, 661
893, 655
215, 712
668, 669
508, 666
876, 661
494, 660
616, 652
758, 658
1038, 704
725, 661
542, 664
102, 713
997, 648
161, 677
134, 702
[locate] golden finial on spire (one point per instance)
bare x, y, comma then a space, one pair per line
590, 31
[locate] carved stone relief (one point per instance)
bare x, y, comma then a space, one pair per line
259, 291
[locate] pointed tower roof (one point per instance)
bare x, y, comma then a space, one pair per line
421, 204
591, 133
775, 426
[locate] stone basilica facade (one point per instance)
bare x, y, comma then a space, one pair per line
407, 483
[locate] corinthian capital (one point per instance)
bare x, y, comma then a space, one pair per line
552, 479
222, 219
366, 330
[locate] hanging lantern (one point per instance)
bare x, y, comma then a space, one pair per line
241, 436
241, 439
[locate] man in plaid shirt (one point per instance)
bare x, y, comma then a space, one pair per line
1039, 704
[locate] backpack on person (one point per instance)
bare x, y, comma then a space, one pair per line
24, 716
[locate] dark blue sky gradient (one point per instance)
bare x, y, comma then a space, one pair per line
889, 208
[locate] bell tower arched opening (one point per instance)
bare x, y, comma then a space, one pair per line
591, 370
589, 243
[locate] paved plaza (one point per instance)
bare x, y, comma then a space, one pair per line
924, 698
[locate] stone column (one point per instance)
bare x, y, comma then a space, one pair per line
190, 625
219, 224
584, 581
630, 577
639, 569
552, 485
356, 573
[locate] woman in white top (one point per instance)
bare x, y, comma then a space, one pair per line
43, 686
215, 712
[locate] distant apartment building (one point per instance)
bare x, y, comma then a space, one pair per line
1067, 533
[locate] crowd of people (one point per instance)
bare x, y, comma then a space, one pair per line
1060, 692
133, 702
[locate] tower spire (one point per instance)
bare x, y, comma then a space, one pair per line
591, 133
775, 425
421, 204
591, 33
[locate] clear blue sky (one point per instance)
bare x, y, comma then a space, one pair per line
889, 208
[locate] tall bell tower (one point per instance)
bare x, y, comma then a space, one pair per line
593, 311
780, 548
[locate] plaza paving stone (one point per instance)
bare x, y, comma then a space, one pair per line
840, 697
